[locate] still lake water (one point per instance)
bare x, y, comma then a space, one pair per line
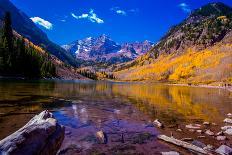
88, 106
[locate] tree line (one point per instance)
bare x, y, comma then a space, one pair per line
20, 58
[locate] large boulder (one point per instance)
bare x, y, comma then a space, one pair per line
42, 135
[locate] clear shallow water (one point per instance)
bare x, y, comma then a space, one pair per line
86, 107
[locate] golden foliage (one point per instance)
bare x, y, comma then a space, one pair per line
191, 66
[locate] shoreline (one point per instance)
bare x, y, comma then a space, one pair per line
228, 88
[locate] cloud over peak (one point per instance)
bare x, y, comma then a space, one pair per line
91, 16
185, 7
44, 23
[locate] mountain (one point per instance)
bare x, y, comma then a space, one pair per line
25, 27
196, 50
104, 49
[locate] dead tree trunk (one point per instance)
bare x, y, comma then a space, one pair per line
42, 135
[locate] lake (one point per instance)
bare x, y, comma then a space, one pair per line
125, 111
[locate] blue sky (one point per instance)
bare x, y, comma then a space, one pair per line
123, 20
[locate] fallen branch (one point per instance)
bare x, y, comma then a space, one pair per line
41, 135
182, 144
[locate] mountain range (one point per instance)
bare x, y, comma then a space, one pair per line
199, 49
103, 49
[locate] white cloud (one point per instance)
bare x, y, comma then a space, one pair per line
42, 22
185, 7
119, 11
91, 16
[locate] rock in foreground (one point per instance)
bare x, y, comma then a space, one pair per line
41, 135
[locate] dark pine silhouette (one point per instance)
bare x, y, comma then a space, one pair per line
20, 58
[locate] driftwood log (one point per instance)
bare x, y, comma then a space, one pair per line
182, 144
42, 135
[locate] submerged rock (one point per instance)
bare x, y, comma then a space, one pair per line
226, 127
193, 126
228, 120
208, 147
158, 123
224, 150
101, 137
220, 138
170, 153
206, 123
198, 143
228, 131
179, 130
209, 132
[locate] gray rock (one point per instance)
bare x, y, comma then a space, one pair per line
226, 127
209, 132
198, 143
228, 131
41, 135
224, 150
228, 120
221, 138
208, 147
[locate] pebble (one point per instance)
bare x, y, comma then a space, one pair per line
228, 131
201, 136
209, 132
191, 130
228, 120
224, 150
214, 124
229, 115
208, 147
206, 123
226, 127
195, 126
170, 153
157, 123
198, 143
199, 131
179, 130
220, 138
102, 137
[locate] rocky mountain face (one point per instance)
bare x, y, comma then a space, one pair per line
104, 49
197, 50
25, 27
204, 28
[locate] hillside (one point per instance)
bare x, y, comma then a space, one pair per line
19, 57
198, 50
103, 49
25, 27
